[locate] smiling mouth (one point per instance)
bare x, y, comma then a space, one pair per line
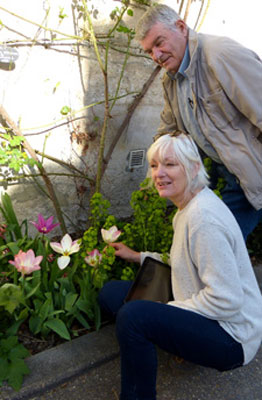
163, 184
163, 62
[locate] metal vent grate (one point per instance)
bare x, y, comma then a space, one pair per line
136, 159
8, 54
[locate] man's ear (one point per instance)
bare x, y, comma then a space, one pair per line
181, 26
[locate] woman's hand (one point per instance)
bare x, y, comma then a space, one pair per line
126, 253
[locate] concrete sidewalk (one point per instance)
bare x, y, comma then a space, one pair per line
89, 368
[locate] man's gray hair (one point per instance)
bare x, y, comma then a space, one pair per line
158, 13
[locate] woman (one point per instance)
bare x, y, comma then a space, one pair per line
215, 319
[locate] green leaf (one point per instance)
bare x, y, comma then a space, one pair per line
33, 291
12, 330
45, 309
56, 312
9, 214
65, 110
11, 296
7, 344
35, 324
59, 327
16, 141
17, 370
70, 301
82, 320
130, 12
123, 29
13, 247
83, 305
18, 351
4, 365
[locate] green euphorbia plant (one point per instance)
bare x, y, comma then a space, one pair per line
150, 228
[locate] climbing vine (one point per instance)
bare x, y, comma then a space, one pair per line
16, 153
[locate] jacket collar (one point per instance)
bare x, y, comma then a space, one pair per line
189, 56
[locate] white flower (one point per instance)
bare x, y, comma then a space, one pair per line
66, 247
110, 235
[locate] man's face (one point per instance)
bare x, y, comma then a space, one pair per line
166, 46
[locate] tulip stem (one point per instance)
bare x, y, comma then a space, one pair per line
15, 276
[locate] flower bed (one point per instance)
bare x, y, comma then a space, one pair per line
48, 289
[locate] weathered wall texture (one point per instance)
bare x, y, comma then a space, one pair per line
47, 78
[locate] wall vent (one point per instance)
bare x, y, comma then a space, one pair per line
136, 159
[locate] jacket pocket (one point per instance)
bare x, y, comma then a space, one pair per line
220, 110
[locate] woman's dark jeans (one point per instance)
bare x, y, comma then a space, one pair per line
141, 325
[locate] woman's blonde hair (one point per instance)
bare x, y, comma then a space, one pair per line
186, 152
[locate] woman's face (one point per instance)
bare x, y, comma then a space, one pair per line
170, 178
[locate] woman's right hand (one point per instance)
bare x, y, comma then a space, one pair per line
123, 251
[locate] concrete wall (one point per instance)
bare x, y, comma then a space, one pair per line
45, 79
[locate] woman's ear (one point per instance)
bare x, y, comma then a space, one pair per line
195, 169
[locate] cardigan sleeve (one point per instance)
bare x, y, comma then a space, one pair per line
221, 296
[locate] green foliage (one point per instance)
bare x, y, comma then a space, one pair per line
10, 217
12, 154
116, 13
128, 274
151, 229
65, 110
125, 30
50, 299
12, 364
54, 300
143, 2
220, 183
62, 14
11, 296
99, 210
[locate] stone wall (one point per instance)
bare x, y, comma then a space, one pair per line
54, 71
46, 78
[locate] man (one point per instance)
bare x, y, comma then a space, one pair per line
213, 91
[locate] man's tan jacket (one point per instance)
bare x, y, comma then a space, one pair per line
226, 82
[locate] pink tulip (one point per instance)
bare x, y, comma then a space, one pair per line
110, 235
94, 258
26, 262
44, 225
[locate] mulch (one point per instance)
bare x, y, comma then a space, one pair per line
37, 344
